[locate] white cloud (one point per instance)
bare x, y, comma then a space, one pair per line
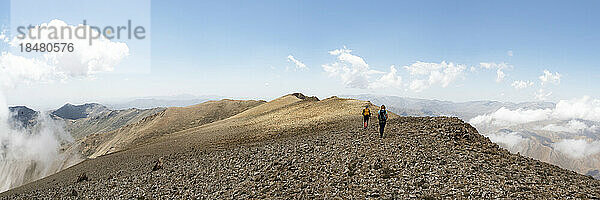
17, 69
500, 75
509, 53
3, 37
353, 70
577, 148
573, 126
390, 79
299, 65
583, 108
101, 56
549, 77
509, 139
86, 60
433, 74
505, 117
541, 95
500, 67
521, 84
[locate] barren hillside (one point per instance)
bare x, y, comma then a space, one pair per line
168, 121
107, 121
302, 147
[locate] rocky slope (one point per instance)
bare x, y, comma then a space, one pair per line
300, 147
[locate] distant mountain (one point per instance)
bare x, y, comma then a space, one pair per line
81, 120
23, 116
594, 173
155, 103
73, 112
163, 101
424, 107
107, 120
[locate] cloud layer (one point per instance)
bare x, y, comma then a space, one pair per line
577, 148
573, 126
511, 139
574, 110
584, 108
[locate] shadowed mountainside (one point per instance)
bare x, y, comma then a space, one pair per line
22, 117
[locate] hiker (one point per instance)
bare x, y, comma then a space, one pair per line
382, 118
366, 115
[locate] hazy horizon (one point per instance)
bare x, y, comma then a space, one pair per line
46, 107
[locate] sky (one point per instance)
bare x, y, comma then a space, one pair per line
446, 50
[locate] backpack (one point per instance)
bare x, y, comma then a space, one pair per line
366, 112
382, 116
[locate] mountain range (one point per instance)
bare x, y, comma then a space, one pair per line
149, 102
406, 106
297, 146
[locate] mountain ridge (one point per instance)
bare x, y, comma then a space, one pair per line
302, 147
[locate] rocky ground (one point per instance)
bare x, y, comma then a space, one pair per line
432, 158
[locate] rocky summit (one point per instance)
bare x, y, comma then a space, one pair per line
300, 148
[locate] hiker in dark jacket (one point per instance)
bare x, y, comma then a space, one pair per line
382, 119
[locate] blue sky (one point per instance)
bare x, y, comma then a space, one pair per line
240, 49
